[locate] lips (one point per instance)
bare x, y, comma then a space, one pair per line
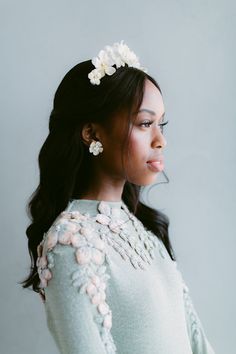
157, 164
159, 159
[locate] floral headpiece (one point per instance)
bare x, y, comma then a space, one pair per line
118, 54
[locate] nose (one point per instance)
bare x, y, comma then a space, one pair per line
159, 140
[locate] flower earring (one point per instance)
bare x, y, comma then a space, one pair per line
95, 147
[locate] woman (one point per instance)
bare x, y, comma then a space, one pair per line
102, 260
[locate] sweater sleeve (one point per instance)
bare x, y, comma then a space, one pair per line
197, 336
72, 269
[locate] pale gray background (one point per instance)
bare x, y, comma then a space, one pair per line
189, 47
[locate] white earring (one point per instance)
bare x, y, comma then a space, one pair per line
95, 147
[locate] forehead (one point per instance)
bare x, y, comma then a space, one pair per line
152, 98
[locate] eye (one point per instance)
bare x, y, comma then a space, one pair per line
144, 123
161, 125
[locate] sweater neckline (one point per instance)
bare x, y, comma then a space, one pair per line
96, 202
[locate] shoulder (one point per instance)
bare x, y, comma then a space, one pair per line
72, 244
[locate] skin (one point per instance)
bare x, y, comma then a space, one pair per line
145, 143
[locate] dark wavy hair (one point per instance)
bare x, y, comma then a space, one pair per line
64, 160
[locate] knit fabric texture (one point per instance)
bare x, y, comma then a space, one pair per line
109, 286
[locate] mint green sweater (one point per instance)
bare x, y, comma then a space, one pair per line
109, 286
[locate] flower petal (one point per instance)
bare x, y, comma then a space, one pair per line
83, 255
97, 256
109, 70
103, 219
65, 237
104, 208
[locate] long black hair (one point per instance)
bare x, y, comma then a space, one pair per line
64, 159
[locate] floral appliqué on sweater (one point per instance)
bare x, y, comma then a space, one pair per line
76, 229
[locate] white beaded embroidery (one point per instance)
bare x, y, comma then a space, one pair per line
194, 323
75, 229
162, 250
191, 312
138, 250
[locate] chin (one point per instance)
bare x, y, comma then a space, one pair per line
147, 183
144, 181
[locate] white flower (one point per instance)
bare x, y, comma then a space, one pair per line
118, 54
126, 55
103, 62
95, 147
95, 76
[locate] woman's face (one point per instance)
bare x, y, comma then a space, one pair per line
146, 142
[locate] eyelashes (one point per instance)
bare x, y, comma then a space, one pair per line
150, 122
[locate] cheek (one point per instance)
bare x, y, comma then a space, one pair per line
136, 157
137, 171
137, 148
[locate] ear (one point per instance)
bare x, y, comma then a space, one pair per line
90, 132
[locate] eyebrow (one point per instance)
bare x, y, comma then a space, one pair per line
149, 111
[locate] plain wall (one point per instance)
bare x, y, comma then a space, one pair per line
189, 47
